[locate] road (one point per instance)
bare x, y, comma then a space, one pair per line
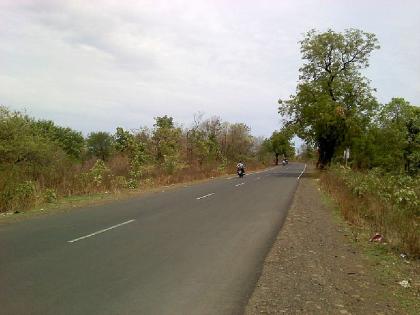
194, 249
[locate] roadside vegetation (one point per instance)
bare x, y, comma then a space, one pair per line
335, 110
41, 162
387, 204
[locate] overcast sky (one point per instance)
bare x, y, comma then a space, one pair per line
96, 65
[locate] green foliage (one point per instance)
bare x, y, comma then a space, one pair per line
123, 140
333, 101
280, 144
97, 178
199, 145
71, 141
391, 141
135, 172
20, 143
239, 142
98, 172
166, 138
204, 141
40, 161
399, 135
127, 143
28, 158
20, 196
50, 195
100, 144
396, 199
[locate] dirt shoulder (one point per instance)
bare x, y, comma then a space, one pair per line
315, 268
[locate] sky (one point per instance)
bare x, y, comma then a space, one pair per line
96, 65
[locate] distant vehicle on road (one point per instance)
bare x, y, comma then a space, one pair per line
240, 168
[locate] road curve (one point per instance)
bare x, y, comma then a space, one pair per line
192, 250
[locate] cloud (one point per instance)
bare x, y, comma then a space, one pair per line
98, 64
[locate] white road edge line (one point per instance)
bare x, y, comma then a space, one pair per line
237, 185
205, 196
302, 172
100, 231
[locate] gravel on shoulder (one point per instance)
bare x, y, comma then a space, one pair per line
313, 269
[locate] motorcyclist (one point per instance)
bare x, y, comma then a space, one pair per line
240, 167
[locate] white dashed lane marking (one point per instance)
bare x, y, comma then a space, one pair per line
100, 231
205, 196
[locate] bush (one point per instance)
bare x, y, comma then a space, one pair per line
20, 196
50, 195
389, 204
97, 179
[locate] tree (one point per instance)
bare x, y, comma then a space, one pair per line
134, 148
123, 140
128, 143
333, 101
239, 142
22, 144
100, 144
166, 138
71, 141
213, 133
280, 144
398, 136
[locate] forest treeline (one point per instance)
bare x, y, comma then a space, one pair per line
335, 109
41, 161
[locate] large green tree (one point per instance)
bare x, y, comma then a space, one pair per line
100, 144
239, 142
280, 144
71, 141
333, 101
398, 136
22, 144
166, 138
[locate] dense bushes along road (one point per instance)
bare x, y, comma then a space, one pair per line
40, 161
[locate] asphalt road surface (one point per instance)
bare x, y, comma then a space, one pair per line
191, 250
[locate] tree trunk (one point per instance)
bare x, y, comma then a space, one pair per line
277, 158
328, 142
326, 149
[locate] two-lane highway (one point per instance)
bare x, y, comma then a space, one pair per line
196, 249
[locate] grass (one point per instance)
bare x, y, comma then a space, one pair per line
387, 266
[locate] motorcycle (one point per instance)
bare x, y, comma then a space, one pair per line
284, 162
241, 172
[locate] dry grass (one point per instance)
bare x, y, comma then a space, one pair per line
400, 229
19, 194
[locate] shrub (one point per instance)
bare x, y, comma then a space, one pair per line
98, 178
20, 196
389, 204
50, 195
